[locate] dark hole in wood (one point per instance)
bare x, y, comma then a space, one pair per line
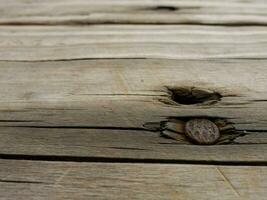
167, 8
189, 96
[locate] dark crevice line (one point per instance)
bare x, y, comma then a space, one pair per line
251, 143
163, 8
128, 148
169, 8
170, 143
79, 23
75, 59
252, 131
247, 58
80, 127
18, 181
247, 131
56, 158
8, 120
136, 58
146, 95
259, 100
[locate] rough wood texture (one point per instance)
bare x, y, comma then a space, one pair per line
37, 43
60, 180
129, 93
92, 144
229, 12
89, 81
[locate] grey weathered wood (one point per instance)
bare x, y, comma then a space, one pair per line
49, 36
59, 180
129, 93
32, 43
90, 101
101, 109
115, 144
137, 11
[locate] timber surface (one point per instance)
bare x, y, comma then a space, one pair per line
84, 89
61, 180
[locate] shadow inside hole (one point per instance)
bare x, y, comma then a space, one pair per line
189, 96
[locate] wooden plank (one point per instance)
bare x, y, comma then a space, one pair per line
182, 42
132, 50
44, 36
100, 108
109, 106
129, 93
124, 144
61, 180
138, 11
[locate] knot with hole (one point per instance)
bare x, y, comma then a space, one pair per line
194, 95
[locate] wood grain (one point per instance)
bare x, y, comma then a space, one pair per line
85, 85
129, 93
127, 41
232, 12
111, 144
49, 36
61, 180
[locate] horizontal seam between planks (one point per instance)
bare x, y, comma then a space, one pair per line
233, 24
134, 58
57, 158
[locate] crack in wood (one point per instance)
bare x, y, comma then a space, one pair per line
118, 58
82, 22
246, 143
128, 148
74, 59
8, 120
145, 95
56, 158
21, 181
254, 131
80, 127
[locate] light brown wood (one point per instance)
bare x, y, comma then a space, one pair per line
111, 143
85, 88
49, 36
32, 43
232, 12
129, 93
61, 180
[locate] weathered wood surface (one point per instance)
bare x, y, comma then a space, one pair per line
37, 43
87, 81
61, 180
137, 145
129, 93
230, 12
